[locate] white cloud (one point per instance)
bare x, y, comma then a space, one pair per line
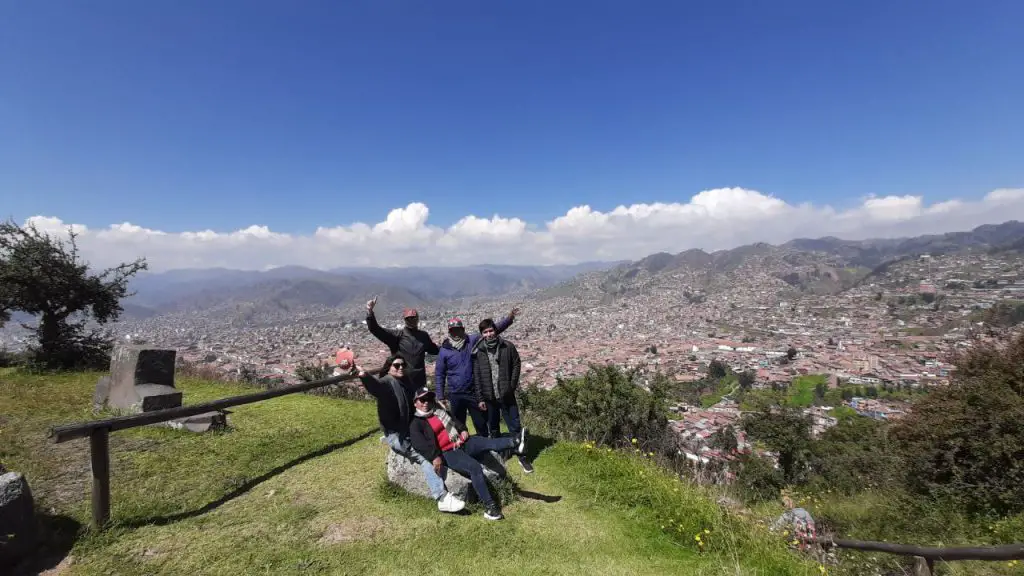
712, 220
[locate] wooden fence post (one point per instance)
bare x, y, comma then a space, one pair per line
99, 444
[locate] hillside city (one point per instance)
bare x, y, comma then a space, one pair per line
894, 329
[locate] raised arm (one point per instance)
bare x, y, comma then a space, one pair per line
370, 382
504, 323
388, 337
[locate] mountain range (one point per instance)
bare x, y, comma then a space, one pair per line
821, 265
294, 287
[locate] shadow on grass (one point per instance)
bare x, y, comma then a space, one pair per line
56, 536
249, 484
536, 444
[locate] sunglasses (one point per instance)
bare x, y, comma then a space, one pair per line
399, 365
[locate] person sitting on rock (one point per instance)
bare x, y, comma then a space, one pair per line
393, 393
443, 439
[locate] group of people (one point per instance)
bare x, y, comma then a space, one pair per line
475, 374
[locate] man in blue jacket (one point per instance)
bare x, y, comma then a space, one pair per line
453, 372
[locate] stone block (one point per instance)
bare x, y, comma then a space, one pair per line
217, 420
17, 519
141, 380
409, 476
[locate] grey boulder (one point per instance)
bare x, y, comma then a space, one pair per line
409, 476
17, 519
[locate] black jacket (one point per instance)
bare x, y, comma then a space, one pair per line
509, 367
389, 412
411, 345
422, 435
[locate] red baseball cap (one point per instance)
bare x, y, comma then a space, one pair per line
410, 313
455, 323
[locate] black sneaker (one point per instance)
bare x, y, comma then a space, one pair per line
521, 444
493, 513
527, 467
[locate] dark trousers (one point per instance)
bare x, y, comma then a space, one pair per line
507, 409
461, 403
464, 461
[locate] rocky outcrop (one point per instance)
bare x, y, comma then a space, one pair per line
17, 519
409, 476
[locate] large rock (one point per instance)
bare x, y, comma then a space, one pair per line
141, 380
17, 519
409, 476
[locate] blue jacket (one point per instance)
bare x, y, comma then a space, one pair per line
453, 370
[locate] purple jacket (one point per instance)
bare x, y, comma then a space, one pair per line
453, 370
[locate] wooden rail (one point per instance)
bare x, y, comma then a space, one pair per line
99, 431
925, 556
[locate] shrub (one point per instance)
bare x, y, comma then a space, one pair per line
787, 432
604, 406
855, 454
965, 443
313, 372
759, 480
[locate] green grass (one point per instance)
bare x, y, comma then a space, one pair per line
291, 489
801, 392
893, 516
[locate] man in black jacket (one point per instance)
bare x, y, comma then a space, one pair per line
394, 393
410, 342
441, 438
496, 369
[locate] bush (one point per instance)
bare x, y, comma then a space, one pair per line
10, 359
787, 432
965, 443
314, 372
759, 480
605, 406
855, 454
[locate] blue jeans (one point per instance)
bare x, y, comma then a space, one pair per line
403, 447
461, 403
464, 460
509, 410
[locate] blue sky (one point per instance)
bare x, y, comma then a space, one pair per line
198, 114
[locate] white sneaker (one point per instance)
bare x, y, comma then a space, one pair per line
449, 503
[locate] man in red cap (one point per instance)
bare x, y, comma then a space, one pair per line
411, 343
453, 372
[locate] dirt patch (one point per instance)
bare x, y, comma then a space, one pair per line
352, 531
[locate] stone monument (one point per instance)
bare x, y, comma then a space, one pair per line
142, 380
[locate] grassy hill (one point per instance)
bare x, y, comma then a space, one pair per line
297, 486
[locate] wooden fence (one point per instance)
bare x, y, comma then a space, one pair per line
99, 431
924, 556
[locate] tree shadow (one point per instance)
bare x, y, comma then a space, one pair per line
56, 535
249, 484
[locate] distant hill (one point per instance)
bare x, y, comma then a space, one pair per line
821, 266
295, 287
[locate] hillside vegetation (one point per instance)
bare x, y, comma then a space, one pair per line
297, 486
